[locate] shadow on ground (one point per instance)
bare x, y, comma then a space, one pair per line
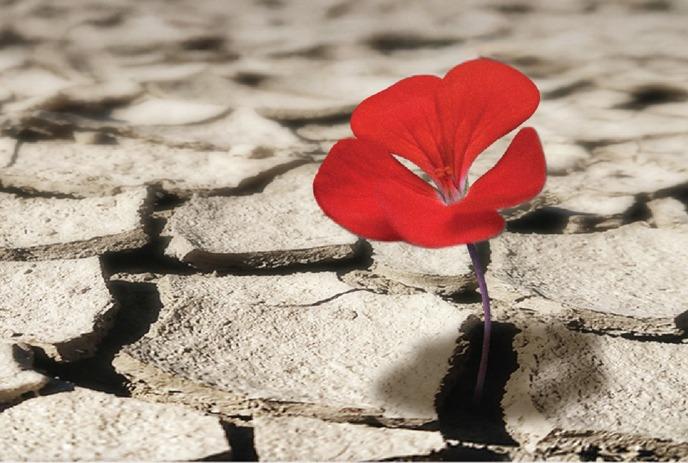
566, 374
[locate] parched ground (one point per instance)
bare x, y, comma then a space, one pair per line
170, 290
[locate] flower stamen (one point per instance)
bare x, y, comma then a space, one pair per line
446, 186
443, 172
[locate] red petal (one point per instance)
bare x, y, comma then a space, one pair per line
518, 176
437, 123
345, 187
424, 220
403, 119
479, 102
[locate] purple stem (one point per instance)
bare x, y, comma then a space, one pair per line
487, 326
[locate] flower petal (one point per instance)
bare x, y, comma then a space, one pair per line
479, 102
424, 220
441, 124
345, 187
403, 119
518, 176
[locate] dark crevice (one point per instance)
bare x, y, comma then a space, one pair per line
590, 7
250, 79
472, 296
57, 386
666, 338
464, 453
514, 8
271, 4
681, 321
382, 422
321, 301
546, 220
54, 386
139, 307
364, 258
534, 66
592, 145
204, 43
638, 212
456, 453
391, 42
25, 357
15, 154
36, 127
64, 120
333, 119
316, 52
590, 453
151, 258
241, 439
550, 220
468, 297
10, 37
460, 417
221, 265
566, 90
678, 192
484, 253
661, 338
109, 20
148, 259
653, 5
74, 110
611, 446
654, 94
258, 183
28, 193
165, 201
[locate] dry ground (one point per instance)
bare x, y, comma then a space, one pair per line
170, 290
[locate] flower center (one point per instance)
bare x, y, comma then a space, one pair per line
447, 187
443, 172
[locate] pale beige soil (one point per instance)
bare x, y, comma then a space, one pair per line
171, 291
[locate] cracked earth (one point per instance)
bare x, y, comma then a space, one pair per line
170, 289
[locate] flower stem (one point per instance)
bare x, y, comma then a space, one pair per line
487, 326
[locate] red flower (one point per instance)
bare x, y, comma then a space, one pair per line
441, 125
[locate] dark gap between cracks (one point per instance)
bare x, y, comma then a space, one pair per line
390, 42
223, 265
139, 307
653, 94
460, 418
456, 453
241, 442
545, 220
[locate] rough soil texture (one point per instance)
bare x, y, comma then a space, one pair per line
93, 170
62, 307
306, 342
300, 439
446, 271
281, 226
170, 289
633, 272
571, 383
86, 425
48, 228
16, 374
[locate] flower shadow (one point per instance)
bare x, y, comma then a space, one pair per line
463, 419
408, 388
459, 417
